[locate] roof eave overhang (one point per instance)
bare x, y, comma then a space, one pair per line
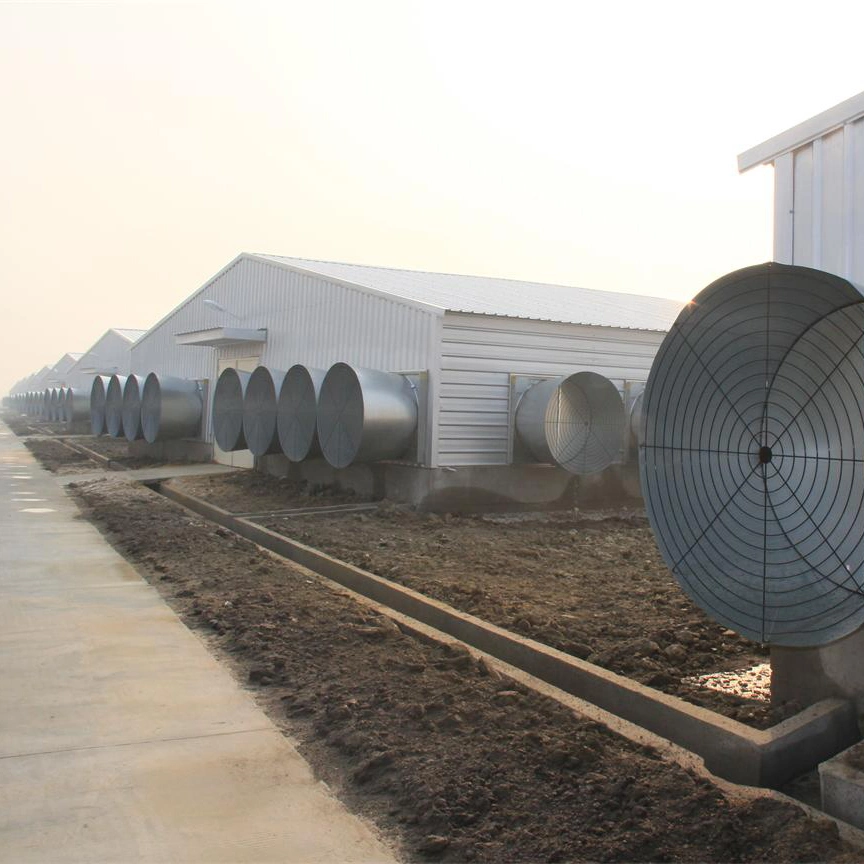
221, 337
804, 133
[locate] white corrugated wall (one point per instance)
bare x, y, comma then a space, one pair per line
479, 353
308, 319
819, 203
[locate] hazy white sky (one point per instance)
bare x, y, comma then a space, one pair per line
144, 145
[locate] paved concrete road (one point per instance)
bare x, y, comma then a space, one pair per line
121, 738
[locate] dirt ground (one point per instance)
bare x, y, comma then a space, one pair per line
57, 450
252, 491
22, 425
592, 586
61, 456
449, 759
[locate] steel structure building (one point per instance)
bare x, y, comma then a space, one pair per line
467, 336
110, 353
61, 368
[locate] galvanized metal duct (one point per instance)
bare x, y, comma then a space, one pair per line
61, 404
76, 406
259, 411
114, 405
576, 421
364, 415
171, 408
228, 409
750, 462
97, 404
131, 412
53, 412
297, 412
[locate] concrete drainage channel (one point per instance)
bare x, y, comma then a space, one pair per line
729, 749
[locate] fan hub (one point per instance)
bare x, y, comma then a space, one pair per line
765, 455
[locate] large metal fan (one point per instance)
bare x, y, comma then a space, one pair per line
752, 452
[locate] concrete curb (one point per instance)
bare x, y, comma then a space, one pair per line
730, 749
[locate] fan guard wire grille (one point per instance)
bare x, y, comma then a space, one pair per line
752, 450
584, 423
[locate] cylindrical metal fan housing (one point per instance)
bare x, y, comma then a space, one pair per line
259, 411
114, 406
228, 409
576, 421
77, 406
53, 411
297, 412
171, 408
365, 415
60, 405
98, 390
131, 413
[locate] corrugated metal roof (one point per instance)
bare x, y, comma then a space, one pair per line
130, 335
484, 295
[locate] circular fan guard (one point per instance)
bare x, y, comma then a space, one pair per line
752, 450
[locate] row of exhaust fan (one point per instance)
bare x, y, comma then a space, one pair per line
55, 404
153, 407
346, 414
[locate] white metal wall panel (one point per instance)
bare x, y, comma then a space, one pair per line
802, 208
833, 203
479, 353
784, 221
855, 212
308, 319
819, 201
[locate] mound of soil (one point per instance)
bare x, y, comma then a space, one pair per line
596, 588
450, 759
